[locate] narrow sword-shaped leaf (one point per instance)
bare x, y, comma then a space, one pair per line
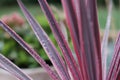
12, 68
31, 51
94, 29
88, 40
92, 9
72, 23
117, 67
83, 60
60, 38
73, 28
84, 40
63, 29
104, 43
47, 44
117, 76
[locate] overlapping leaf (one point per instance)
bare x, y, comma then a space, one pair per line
89, 39
13, 69
50, 49
69, 9
29, 50
60, 39
104, 43
114, 69
81, 17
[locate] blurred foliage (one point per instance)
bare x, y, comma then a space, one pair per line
17, 54
102, 16
14, 52
116, 2
102, 2
11, 49
13, 2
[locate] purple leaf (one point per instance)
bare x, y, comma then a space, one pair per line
89, 39
31, 51
117, 75
63, 29
104, 43
115, 64
68, 7
60, 39
12, 68
48, 46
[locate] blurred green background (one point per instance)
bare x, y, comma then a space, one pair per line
17, 54
13, 2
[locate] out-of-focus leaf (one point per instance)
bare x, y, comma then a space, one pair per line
67, 53
48, 46
114, 69
13, 69
104, 43
31, 51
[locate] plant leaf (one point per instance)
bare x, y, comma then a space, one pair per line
117, 77
114, 69
69, 9
82, 62
12, 68
60, 39
89, 39
47, 44
104, 43
31, 51
64, 30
